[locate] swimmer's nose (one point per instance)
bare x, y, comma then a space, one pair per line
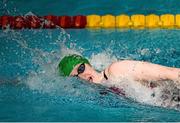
85, 76
89, 78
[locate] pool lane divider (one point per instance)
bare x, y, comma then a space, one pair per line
137, 21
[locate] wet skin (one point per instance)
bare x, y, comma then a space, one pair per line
137, 70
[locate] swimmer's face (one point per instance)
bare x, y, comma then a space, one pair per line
84, 71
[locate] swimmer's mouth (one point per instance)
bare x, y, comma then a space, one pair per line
90, 79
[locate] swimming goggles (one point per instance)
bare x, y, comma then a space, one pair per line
80, 69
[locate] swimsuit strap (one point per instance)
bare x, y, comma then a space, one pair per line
105, 75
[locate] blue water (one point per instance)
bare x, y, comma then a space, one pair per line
31, 90
71, 7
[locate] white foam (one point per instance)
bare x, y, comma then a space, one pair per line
30, 13
101, 60
143, 94
67, 51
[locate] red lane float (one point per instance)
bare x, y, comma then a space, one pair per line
33, 22
19, 22
79, 21
0, 22
16, 22
72, 22
65, 22
6, 21
50, 21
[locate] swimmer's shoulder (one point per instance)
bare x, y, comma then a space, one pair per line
118, 68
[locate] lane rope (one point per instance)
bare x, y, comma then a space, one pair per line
137, 21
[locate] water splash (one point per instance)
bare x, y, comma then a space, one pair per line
45, 78
166, 94
98, 63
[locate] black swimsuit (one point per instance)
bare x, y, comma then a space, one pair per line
105, 75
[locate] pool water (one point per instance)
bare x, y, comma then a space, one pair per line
32, 90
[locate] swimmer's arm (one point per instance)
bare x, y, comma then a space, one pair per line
143, 71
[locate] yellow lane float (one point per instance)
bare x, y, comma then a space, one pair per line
178, 20
108, 21
93, 21
152, 21
138, 21
123, 21
167, 21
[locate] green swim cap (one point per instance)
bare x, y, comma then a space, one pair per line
68, 63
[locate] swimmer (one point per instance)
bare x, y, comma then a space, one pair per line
76, 65
148, 76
